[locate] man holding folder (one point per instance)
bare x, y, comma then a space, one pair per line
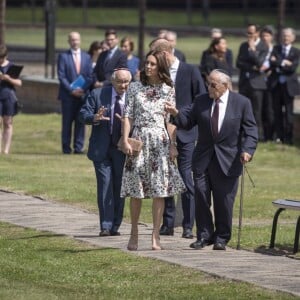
74, 70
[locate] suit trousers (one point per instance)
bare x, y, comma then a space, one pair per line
213, 182
109, 179
70, 111
184, 161
283, 110
256, 97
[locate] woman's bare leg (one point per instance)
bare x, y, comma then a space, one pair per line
7, 133
135, 210
157, 213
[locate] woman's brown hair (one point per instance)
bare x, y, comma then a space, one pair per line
162, 68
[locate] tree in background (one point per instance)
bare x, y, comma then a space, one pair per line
2, 21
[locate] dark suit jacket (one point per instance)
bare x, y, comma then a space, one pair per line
238, 133
288, 71
66, 72
180, 55
249, 63
207, 64
188, 84
100, 138
104, 68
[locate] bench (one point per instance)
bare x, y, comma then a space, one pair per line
282, 205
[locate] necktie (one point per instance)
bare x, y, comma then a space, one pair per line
77, 62
116, 127
215, 119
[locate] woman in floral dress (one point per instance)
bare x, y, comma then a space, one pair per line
153, 173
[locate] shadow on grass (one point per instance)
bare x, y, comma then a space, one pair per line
44, 235
279, 250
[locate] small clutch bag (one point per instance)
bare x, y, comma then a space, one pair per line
135, 144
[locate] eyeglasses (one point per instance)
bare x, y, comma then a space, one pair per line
122, 81
212, 84
250, 33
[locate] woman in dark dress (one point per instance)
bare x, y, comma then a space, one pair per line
216, 57
8, 101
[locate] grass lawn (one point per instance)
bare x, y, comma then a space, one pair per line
41, 265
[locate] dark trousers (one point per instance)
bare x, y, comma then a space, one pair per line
283, 110
184, 161
223, 189
256, 97
70, 110
268, 116
109, 179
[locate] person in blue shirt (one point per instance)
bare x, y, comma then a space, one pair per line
133, 62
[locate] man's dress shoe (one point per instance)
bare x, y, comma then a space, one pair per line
104, 233
115, 233
187, 233
219, 246
199, 244
164, 230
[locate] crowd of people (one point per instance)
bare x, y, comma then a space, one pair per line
110, 89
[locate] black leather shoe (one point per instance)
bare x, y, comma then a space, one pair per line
219, 246
164, 230
115, 233
199, 244
187, 233
104, 233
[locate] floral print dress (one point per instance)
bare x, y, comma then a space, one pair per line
151, 174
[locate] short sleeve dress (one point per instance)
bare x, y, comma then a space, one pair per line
151, 174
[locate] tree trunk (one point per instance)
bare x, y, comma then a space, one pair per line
2, 21
142, 17
281, 19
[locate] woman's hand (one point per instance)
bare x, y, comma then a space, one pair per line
171, 109
173, 152
126, 148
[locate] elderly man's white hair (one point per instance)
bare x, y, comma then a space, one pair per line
223, 77
290, 31
114, 74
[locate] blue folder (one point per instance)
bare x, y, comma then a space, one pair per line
78, 83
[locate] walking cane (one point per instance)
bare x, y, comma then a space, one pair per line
241, 208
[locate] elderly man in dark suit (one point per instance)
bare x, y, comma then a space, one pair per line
252, 83
188, 83
109, 60
101, 110
284, 61
71, 64
227, 138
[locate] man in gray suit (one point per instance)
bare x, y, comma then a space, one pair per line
227, 138
252, 83
99, 111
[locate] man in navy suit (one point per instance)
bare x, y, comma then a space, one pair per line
284, 83
188, 83
109, 60
99, 111
71, 64
227, 138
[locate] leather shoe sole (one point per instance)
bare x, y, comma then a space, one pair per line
199, 244
104, 233
115, 233
187, 234
219, 246
166, 231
